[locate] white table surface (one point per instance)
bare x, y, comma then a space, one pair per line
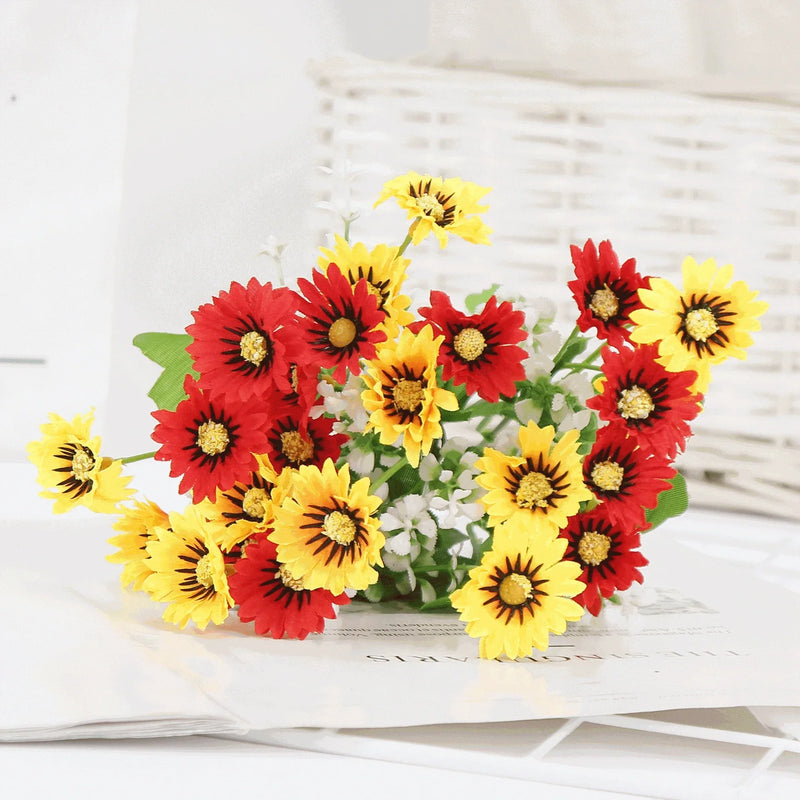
208, 767
594, 759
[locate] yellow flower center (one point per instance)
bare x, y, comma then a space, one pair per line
515, 589
700, 324
342, 332
375, 291
82, 464
604, 304
593, 548
212, 438
339, 527
469, 343
253, 503
296, 448
533, 491
430, 207
253, 347
205, 571
635, 403
407, 395
289, 580
607, 475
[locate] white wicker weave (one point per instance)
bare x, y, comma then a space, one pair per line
661, 175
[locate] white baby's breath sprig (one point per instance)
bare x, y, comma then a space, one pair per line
452, 509
274, 249
343, 174
411, 533
343, 170
344, 405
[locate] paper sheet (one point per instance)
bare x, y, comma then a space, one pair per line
705, 633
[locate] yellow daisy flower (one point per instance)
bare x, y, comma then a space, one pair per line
702, 325
188, 571
519, 593
246, 508
72, 470
403, 397
384, 273
325, 530
138, 525
441, 206
543, 486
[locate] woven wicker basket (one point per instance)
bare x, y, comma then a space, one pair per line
661, 175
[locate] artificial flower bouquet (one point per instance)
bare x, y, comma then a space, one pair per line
336, 446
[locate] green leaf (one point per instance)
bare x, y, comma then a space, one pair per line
437, 605
426, 591
472, 301
671, 502
573, 350
405, 482
168, 350
588, 435
447, 538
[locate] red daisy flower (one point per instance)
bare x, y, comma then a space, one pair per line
341, 321
652, 405
607, 554
303, 379
605, 292
479, 350
293, 440
624, 478
268, 595
210, 442
244, 340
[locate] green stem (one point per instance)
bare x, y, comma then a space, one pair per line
140, 457
587, 363
406, 242
395, 468
347, 224
567, 342
590, 359
582, 366
444, 568
460, 392
488, 437
483, 408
